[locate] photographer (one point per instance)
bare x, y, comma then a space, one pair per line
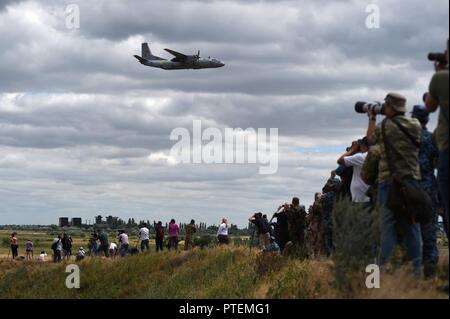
282, 225
438, 98
327, 200
355, 158
402, 161
263, 228
428, 156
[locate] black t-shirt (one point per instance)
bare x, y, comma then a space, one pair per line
282, 221
262, 225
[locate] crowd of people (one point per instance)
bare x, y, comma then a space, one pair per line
392, 170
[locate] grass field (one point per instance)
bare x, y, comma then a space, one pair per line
230, 272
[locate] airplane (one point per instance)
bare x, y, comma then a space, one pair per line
180, 62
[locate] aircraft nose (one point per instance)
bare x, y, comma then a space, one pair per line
221, 64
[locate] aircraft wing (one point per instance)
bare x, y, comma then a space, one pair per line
179, 56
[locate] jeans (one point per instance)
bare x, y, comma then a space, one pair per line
144, 245
67, 253
173, 243
94, 248
429, 238
159, 244
123, 251
388, 223
104, 248
56, 255
14, 251
443, 183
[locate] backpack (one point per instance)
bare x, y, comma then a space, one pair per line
160, 232
411, 202
55, 245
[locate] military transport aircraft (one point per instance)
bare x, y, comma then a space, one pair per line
180, 62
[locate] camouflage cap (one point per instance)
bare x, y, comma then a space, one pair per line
397, 101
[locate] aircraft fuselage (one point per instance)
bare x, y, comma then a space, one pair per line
192, 65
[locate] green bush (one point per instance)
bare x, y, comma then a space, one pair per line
353, 238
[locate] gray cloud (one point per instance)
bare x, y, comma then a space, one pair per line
79, 117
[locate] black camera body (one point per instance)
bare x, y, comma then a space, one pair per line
437, 57
364, 107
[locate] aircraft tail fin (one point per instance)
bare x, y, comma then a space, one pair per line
146, 52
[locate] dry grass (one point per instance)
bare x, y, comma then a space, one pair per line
225, 272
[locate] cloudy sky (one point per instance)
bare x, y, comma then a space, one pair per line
84, 128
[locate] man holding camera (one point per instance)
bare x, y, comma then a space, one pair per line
355, 158
403, 134
263, 228
438, 97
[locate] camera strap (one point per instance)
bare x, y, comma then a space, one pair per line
406, 132
387, 148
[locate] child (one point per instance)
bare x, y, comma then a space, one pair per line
42, 256
81, 254
113, 250
29, 250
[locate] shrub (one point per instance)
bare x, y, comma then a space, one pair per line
354, 245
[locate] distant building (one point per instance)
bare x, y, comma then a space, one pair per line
63, 221
76, 222
98, 219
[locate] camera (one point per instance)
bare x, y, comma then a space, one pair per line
364, 107
437, 57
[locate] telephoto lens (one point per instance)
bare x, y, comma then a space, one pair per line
361, 107
437, 57
364, 107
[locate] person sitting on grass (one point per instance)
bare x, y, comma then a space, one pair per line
43, 256
81, 254
273, 247
112, 250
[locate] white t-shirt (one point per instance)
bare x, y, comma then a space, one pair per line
358, 188
145, 233
113, 246
223, 230
123, 238
42, 257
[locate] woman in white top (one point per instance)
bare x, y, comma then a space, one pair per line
222, 233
